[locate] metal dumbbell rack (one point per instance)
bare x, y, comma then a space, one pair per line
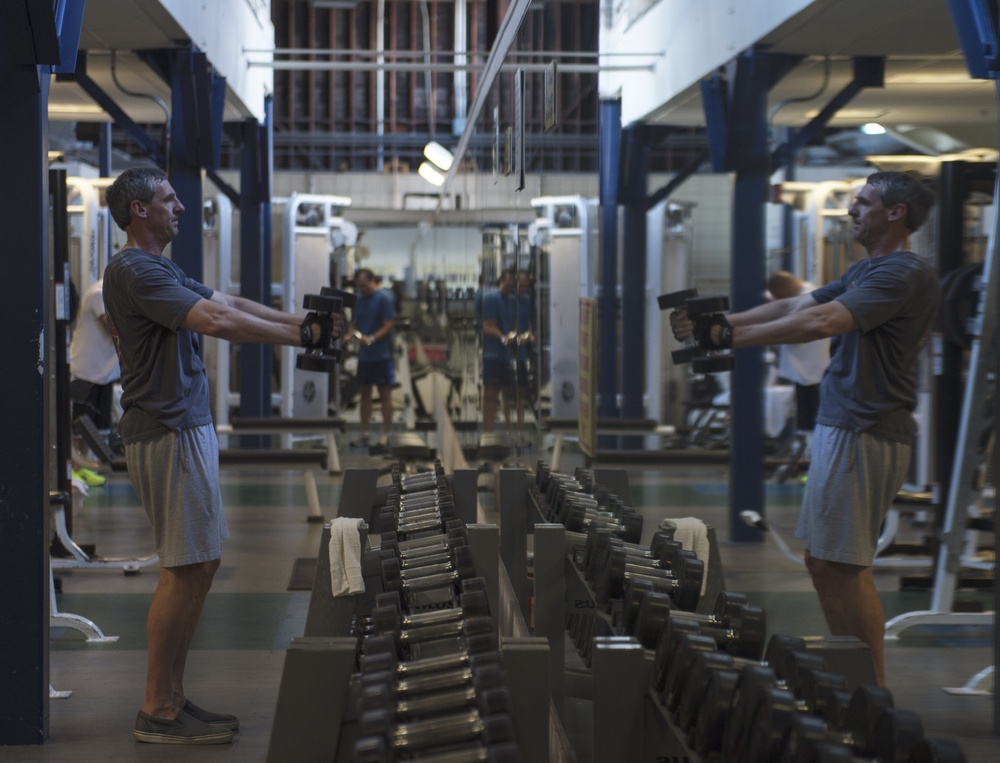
320, 703
621, 680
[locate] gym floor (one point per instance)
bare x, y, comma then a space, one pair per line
237, 657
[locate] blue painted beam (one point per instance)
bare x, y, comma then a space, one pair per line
607, 308
146, 142
976, 26
25, 343
69, 23
869, 71
256, 361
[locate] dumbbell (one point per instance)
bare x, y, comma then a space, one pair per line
443, 509
380, 653
874, 729
408, 522
758, 696
599, 539
722, 715
451, 573
400, 742
579, 518
787, 666
481, 686
411, 483
418, 627
427, 544
702, 361
424, 555
326, 357
507, 752
683, 576
738, 627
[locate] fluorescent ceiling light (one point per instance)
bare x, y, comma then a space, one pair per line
440, 156
70, 108
430, 173
872, 128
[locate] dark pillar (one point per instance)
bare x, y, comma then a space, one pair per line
748, 152
185, 164
256, 360
633, 196
607, 309
104, 150
25, 346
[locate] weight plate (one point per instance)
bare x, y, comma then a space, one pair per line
712, 364
707, 305
675, 299
318, 303
686, 355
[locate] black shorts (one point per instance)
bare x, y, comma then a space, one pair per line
377, 373
497, 373
92, 400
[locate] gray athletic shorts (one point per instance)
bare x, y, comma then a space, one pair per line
176, 477
853, 480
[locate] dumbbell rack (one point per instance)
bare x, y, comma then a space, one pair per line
316, 715
620, 683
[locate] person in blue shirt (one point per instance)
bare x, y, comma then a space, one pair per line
156, 315
498, 329
878, 314
371, 325
522, 320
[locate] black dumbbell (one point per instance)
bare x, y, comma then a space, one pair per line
429, 544
414, 519
432, 624
448, 668
326, 357
482, 685
737, 627
462, 566
682, 574
929, 750
801, 673
434, 523
430, 554
440, 732
757, 697
599, 539
702, 361
682, 640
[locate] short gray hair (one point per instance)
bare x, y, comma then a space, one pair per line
137, 183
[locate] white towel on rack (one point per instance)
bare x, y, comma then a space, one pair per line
692, 534
345, 556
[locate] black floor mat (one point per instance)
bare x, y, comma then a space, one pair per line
303, 573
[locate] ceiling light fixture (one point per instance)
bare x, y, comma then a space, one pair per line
440, 156
872, 128
431, 174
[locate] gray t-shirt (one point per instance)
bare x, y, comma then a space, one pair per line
164, 383
871, 383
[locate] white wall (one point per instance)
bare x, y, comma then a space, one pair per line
687, 41
222, 29
444, 250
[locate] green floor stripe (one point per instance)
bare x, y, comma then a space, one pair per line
229, 620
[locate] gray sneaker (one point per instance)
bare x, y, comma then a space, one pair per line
184, 729
223, 720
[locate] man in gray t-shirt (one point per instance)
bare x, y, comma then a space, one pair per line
878, 315
156, 315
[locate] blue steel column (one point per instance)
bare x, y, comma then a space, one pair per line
185, 166
607, 309
25, 346
256, 360
747, 150
633, 194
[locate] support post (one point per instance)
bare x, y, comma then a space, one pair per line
607, 308
26, 346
